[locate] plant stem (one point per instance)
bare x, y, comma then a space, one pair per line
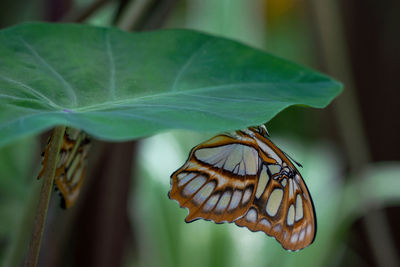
44, 198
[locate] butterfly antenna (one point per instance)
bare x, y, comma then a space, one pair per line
298, 164
266, 130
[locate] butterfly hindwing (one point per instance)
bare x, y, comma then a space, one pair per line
282, 207
283, 211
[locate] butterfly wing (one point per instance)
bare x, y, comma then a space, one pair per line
218, 180
71, 173
71, 165
243, 177
282, 206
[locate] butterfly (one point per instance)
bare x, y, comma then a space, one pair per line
243, 177
71, 165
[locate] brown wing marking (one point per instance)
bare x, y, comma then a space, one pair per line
284, 211
214, 193
243, 177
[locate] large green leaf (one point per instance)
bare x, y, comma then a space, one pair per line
117, 85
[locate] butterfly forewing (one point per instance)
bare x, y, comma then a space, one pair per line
218, 180
243, 177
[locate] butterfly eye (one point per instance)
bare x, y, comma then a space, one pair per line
242, 177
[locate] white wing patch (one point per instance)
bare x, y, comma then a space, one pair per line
274, 201
274, 169
185, 177
237, 195
265, 223
290, 216
236, 158
204, 193
251, 215
262, 182
299, 207
212, 201
223, 202
246, 196
194, 185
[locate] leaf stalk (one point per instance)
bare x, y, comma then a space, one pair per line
44, 197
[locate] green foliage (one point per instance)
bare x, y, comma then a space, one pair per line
118, 86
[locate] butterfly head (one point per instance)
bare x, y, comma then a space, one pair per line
261, 129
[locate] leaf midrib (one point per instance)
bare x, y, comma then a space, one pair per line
118, 103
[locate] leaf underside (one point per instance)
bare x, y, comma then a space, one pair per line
118, 86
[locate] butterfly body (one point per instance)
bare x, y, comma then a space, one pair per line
242, 177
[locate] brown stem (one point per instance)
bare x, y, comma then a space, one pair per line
44, 197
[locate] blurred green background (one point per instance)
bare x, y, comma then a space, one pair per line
350, 151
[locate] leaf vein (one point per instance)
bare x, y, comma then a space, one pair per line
20, 120
183, 108
16, 98
33, 91
112, 66
69, 88
108, 104
185, 67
